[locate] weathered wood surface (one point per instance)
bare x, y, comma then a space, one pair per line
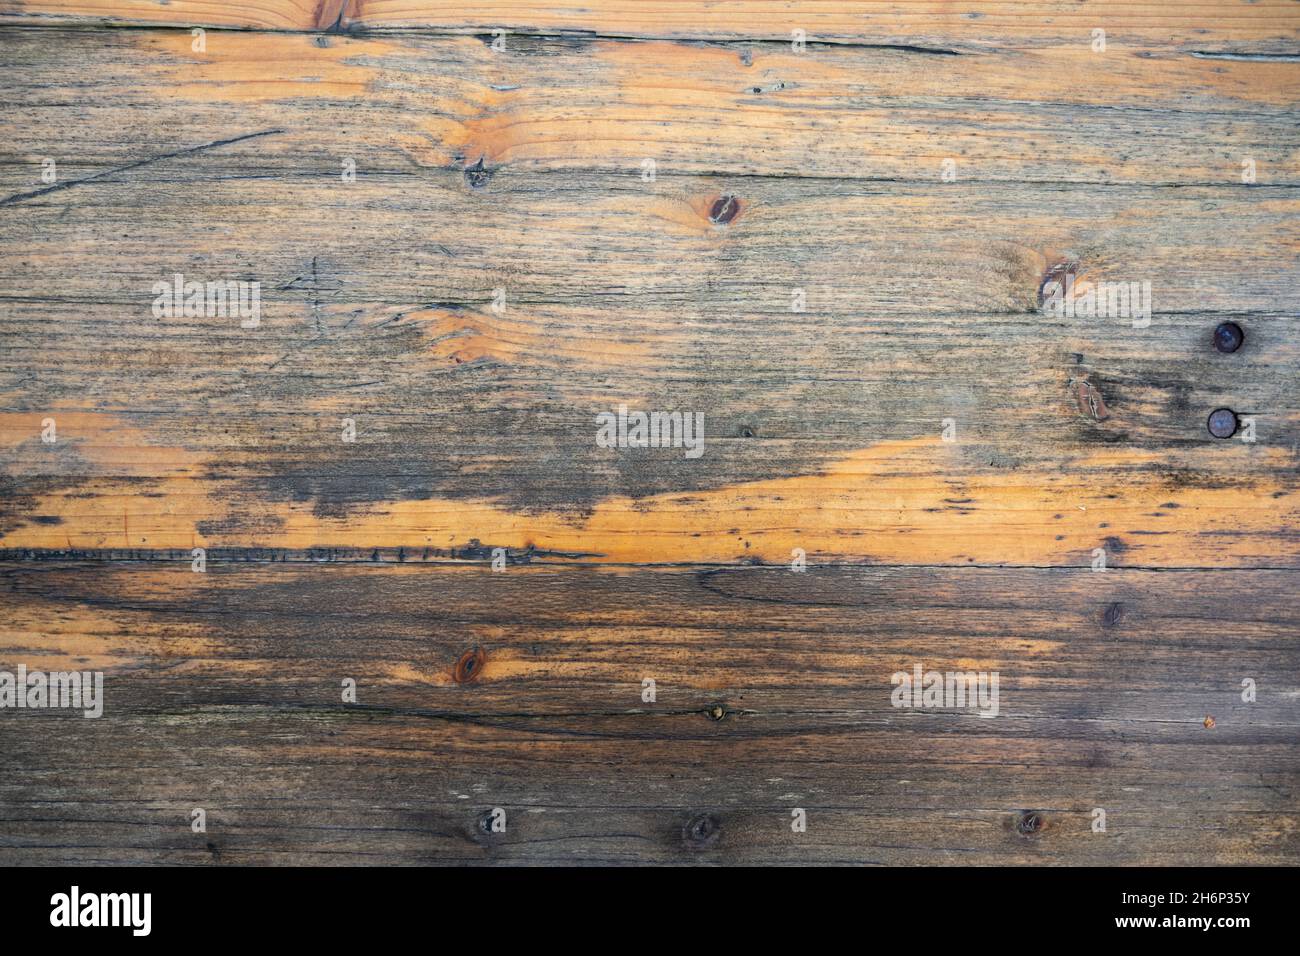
1228, 25
415, 109
773, 693
521, 169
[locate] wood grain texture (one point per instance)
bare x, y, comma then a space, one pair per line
226, 697
1232, 25
479, 427
776, 172
413, 106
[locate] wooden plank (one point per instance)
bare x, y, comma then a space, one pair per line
1239, 25
845, 466
880, 250
825, 424
420, 109
559, 639
221, 691
335, 790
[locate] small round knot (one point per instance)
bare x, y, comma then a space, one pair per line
701, 831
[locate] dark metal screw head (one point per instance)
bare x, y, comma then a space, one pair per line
1228, 337
1222, 423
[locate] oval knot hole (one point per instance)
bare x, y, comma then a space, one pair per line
1091, 403
1113, 614
724, 209
469, 666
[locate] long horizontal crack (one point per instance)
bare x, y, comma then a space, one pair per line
1247, 57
